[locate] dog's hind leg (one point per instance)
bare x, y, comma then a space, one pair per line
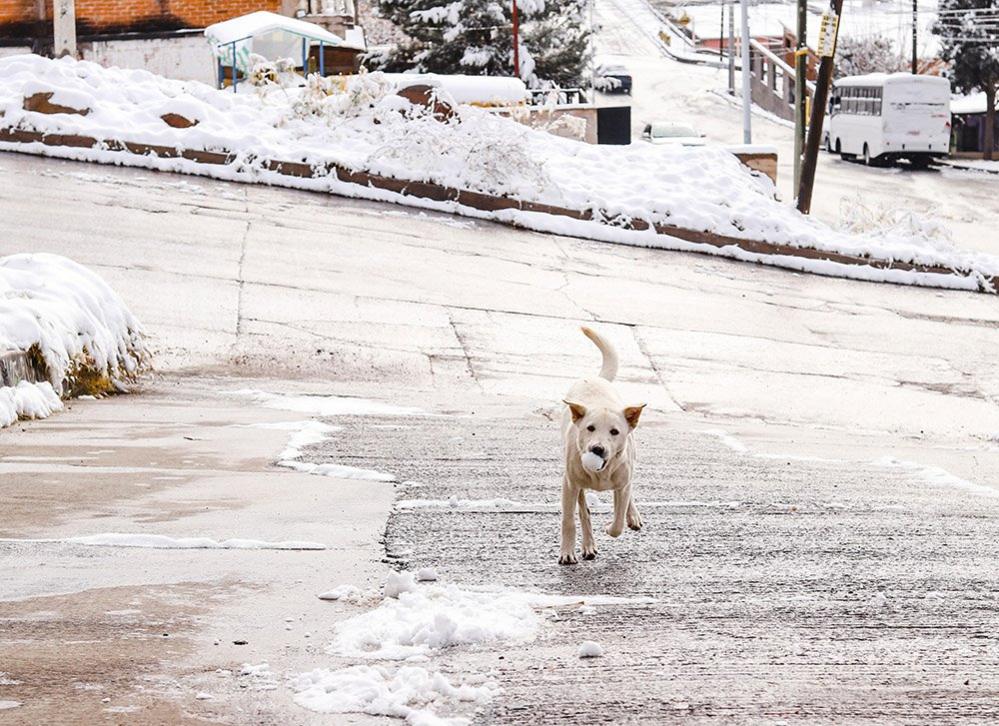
589, 545
634, 518
567, 554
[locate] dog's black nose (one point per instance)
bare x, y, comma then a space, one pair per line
599, 451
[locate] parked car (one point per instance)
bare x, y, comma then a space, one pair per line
672, 133
612, 79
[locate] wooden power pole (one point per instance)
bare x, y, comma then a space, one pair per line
516, 42
827, 52
800, 87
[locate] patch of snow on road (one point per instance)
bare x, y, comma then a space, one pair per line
590, 649
459, 504
326, 406
338, 471
27, 400
349, 593
259, 676
410, 692
4, 705
727, 439
159, 541
434, 617
936, 476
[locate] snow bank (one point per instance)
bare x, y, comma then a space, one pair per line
27, 400
410, 692
360, 125
78, 325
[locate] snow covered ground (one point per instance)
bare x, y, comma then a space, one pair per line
74, 321
364, 126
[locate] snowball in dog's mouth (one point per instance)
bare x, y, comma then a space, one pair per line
593, 462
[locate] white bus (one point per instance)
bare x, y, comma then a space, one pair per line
882, 117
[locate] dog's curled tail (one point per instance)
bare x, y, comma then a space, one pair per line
608, 369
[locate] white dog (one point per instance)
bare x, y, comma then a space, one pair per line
599, 454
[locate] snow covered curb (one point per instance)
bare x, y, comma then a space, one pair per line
362, 140
63, 332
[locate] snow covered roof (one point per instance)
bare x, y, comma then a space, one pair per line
479, 90
263, 22
881, 79
975, 103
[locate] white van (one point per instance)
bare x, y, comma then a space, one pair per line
882, 117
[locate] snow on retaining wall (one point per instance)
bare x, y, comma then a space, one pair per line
358, 138
61, 322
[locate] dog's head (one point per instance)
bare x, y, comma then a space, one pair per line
601, 433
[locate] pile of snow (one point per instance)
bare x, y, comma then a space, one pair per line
27, 400
416, 620
590, 649
75, 323
410, 692
70, 314
360, 123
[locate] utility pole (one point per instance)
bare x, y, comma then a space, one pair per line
516, 42
64, 28
721, 31
747, 92
800, 87
915, 31
731, 48
827, 51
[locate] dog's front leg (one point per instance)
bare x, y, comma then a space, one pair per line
621, 498
567, 555
634, 518
589, 545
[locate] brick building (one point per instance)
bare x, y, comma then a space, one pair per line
29, 22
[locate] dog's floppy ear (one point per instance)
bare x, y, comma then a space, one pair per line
632, 414
578, 410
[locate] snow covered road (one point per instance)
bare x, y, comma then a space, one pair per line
854, 425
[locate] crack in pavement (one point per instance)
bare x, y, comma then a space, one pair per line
655, 369
464, 349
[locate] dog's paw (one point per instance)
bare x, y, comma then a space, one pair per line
567, 558
614, 531
589, 553
635, 522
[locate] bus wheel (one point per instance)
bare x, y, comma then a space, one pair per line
920, 162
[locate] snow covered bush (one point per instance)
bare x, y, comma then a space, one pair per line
475, 37
857, 56
71, 323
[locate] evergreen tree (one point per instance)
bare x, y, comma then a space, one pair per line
969, 40
475, 37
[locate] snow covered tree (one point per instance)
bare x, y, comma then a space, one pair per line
858, 55
475, 37
969, 41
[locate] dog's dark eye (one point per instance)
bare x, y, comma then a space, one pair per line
614, 432
591, 428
